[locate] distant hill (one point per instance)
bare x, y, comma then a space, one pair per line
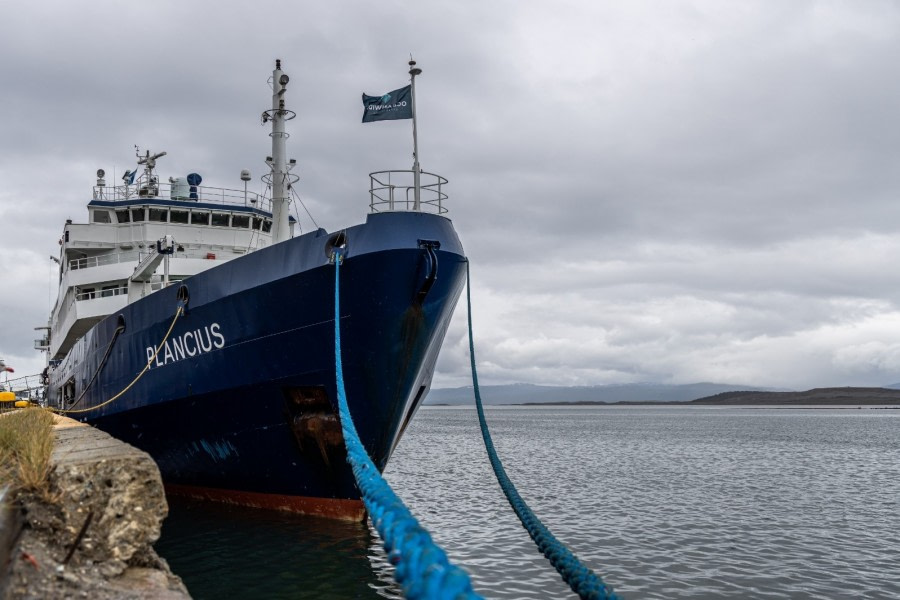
822, 396
523, 393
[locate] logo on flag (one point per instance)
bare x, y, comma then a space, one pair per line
396, 104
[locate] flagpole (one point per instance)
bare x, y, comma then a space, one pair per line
413, 71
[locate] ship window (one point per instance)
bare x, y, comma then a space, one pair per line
242, 221
158, 214
220, 219
102, 216
178, 216
267, 226
110, 290
137, 214
199, 218
123, 216
87, 294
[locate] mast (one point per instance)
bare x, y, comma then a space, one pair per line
278, 162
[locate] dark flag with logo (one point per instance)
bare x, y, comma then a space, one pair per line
393, 105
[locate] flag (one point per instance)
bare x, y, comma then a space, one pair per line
393, 105
3, 367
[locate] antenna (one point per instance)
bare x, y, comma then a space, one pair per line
149, 161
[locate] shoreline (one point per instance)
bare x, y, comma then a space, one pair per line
808, 406
840, 397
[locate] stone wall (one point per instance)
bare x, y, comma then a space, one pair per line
107, 497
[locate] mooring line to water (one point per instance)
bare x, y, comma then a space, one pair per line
421, 567
100, 366
64, 411
581, 579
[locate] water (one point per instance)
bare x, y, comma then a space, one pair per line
663, 502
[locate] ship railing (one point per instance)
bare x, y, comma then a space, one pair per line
27, 387
218, 253
154, 190
102, 292
103, 259
396, 191
80, 294
131, 256
64, 307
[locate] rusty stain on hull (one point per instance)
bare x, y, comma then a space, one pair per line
314, 423
332, 508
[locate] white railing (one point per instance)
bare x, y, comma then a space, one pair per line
396, 190
218, 253
102, 292
91, 293
142, 189
137, 256
103, 259
67, 304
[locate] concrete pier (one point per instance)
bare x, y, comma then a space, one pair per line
92, 535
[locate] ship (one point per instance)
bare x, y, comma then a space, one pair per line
192, 323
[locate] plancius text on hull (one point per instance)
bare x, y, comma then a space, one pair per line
192, 324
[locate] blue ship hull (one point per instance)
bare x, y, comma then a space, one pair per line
240, 402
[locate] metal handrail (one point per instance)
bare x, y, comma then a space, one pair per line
143, 190
395, 191
131, 256
99, 292
103, 259
27, 386
65, 306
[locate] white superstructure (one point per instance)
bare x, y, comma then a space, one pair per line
115, 257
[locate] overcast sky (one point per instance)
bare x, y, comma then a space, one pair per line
660, 191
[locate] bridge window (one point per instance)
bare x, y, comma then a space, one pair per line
101, 216
220, 219
262, 224
242, 221
123, 216
160, 215
111, 290
178, 216
199, 217
137, 214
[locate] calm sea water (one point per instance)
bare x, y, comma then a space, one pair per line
662, 502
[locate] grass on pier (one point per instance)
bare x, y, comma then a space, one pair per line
26, 442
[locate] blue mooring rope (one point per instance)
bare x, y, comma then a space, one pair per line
421, 566
581, 579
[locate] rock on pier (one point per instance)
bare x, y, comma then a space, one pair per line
92, 535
